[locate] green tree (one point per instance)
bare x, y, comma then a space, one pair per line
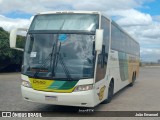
9, 56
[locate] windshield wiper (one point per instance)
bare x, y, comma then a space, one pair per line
59, 58
65, 68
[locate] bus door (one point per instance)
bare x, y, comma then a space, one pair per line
100, 81
101, 78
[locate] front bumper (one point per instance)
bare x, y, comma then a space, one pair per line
81, 99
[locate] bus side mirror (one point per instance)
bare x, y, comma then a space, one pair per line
13, 38
99, 40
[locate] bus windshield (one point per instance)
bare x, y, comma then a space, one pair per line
59, 56
61, 46
81, 22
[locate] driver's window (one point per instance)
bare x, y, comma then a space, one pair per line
103, 56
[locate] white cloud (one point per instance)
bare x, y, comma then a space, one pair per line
131, 17
149, 38
153, 31
8, 23
34, 6
104, 5
150, 54
143, 27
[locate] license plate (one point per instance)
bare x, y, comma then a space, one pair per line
51, 98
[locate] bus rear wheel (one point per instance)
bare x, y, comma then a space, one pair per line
133, 80
110, 92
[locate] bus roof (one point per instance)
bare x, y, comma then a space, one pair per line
83, 12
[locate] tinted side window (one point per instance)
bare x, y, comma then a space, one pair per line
122, 42
105, 27
118, 39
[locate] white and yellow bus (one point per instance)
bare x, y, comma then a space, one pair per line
76, 58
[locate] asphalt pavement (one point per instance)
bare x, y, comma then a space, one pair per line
143, 96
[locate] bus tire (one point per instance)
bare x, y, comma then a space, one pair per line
110, 92
133, 79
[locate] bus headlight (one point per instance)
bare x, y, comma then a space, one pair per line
83, 88
26, 84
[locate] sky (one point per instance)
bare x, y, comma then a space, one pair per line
140, 18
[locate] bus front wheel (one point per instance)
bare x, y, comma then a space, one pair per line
110, 92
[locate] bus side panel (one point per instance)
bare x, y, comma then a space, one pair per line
113, 69
120, 69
